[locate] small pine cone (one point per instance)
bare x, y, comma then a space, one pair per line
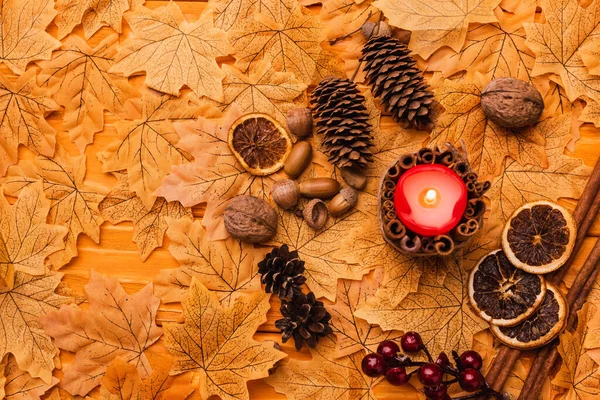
281, 272
343, 120
395, 78
304, 318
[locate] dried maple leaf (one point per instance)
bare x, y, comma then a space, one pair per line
23, 110
591, 113
148, 147
227, 267
345, 16
174, 52
439, 310
354, 334
20, 385
23, 37
558, 42
122, 382
25, 238
291, 44
79, 80
21, 333
437, 24
115, 325
149, 226
487, 144
73, 202
230, 14
91, 14
218, 342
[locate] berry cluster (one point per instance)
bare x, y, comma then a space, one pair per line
389, 361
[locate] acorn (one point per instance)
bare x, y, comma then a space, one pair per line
323, 188
344, 201
300, 121
315, 214
298, 159
286, 194
369, 28
354, 177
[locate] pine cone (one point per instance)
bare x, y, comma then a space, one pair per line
395, 78
343, 119
304, 318
281, 272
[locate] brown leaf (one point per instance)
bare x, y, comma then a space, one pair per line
149, 226
79, 80
174, 52
354, 334
217, 343
22, 334
23, 37
438, 24
230, 14
23, 110
227, 267
73, 202
20, 385
25, 238
115, 325
92, 15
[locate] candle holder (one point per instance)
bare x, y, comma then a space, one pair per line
404, 240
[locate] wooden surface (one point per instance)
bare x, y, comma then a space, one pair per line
116, 255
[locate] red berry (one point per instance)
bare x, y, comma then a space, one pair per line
443, 360
430, 374
388, 349
435, 392
411, 342
470, 379
373, 365
396, 376
471, 359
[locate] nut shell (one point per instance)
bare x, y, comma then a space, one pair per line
315, 214
512, 103
322, 188
370, 27
250, 219
286, 194
343, 202
354, 177
298, 160
300, 121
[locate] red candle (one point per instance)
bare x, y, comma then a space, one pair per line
430, 199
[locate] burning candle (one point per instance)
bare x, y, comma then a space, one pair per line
430, 199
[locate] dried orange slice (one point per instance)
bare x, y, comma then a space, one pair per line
502, 294
539, 237
259, 143
543, 326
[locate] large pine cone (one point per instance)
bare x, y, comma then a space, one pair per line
395, 78
281, 272
343, 119
304, 318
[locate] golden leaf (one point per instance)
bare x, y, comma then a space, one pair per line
20, 385
23, 37
148, 147
438, 23
122, 382
149, 226
23, 110
231, 13
25, 238
79, 80
487, 143
345, 16
354, 334
291, 44
73, 202
578, 374
22, 334
115, 325
569, 28
591, 113
227, 267
217, 343
91, 14
174, 52
439, 310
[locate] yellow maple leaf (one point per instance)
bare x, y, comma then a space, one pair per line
437, 23
23, 37
227, 267
174, 52
217, 343
115, 325
23, 110
79, 80
230, 14
149, 226
19, 384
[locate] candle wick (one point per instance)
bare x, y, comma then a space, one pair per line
430, 196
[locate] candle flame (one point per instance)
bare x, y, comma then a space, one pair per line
430, 196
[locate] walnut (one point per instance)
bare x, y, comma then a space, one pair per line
250, 219
512, 103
